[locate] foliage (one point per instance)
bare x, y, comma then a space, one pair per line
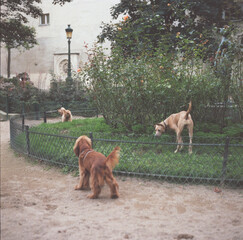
24, 37
228, 69
150, 73
184, 32
136, 93
149, 24
13, 29
17, 96
61, 2
236, 88
68, 95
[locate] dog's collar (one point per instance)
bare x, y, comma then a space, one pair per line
85, 154
165, 124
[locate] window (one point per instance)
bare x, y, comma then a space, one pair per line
45, 19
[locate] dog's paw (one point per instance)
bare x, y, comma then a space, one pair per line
92, 196
77, 187
114, 196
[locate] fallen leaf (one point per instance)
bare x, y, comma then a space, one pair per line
217, 190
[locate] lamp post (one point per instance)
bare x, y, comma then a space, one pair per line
69, 32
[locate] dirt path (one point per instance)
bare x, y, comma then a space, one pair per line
38, 202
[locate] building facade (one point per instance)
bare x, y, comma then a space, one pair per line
50, 56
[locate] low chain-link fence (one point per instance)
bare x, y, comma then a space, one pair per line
214, 160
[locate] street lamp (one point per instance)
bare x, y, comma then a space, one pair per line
69, 32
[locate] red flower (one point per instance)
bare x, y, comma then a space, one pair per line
125, 18
205, 42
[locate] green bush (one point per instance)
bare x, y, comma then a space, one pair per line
142, 91
16, 97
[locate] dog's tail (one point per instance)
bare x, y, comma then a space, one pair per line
113, 158
188, 110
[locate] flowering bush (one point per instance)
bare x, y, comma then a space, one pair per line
16, 95
136, 93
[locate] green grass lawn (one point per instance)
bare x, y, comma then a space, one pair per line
140, 153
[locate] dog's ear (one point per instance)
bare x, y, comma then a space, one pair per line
76, 147
158, 124
76, 150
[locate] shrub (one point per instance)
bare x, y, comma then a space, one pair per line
17, 97
141, 91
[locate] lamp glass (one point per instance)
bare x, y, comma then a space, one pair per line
69, 32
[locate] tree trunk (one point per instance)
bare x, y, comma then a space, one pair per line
9, 61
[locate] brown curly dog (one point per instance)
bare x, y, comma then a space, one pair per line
95, 168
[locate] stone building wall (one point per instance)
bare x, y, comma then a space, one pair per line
50, 55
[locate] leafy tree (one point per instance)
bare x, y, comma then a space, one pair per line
228, 68
61, 2
154, 24
24, 37
14, 31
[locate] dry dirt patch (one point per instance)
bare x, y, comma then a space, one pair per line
39, 202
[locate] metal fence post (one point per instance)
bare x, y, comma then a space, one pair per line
11, 124
23, 120
226, 153
27, 139
7, 106
37, 111
91, 137
44, 116
23, 108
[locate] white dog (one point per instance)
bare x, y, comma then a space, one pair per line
66, 115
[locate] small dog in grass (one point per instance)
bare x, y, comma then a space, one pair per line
95, 168
177, 122
66, 114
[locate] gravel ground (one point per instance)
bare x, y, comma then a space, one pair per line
39, 202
